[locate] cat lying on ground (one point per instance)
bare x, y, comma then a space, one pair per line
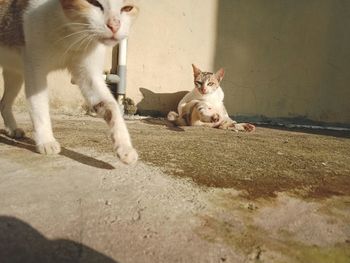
196, 113
40, 36
204, 105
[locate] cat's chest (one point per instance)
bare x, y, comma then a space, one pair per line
214, 98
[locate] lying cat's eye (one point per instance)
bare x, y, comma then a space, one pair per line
127, 8
210, 84
198, 83
96, 3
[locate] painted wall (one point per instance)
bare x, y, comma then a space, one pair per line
286, 58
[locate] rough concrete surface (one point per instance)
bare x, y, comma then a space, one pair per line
196, 195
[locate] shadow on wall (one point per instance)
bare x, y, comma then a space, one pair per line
158, 104
19, 242
287, 59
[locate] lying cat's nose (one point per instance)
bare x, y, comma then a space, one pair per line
113, 25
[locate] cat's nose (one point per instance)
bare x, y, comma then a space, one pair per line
113, 25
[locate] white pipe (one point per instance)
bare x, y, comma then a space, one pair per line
122, 57
123, 50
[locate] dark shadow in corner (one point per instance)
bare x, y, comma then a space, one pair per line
323, 132
158, 104
29, 144
19, 242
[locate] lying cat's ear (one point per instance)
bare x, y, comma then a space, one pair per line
220, 74
196, 71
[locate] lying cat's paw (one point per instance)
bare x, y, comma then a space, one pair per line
248, 127
215, 118
172, 116
127, 154
49, 148
16, 133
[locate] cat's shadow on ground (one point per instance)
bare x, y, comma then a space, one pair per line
29, 144
158, 105
20, 242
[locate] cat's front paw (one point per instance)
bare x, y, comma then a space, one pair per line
49, 148
215, 118
17, 133
172, 116
127, 154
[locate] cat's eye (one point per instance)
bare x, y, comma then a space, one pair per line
96, 3
210, 84
198, 83
127, 8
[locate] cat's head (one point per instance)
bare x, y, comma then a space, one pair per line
106, 21
207, 82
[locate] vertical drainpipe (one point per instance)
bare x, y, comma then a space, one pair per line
121, 71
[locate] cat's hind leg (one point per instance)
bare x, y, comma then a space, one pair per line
175, 119
229, 124
247, 127
12, 85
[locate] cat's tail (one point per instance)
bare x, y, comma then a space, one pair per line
174, 118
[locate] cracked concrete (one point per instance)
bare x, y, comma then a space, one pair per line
196, 195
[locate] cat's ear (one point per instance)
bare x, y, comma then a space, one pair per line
220, 74
196, 71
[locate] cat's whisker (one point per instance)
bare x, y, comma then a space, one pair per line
77, 33
69, 27
71, 24
84, 41
73, 44
89, 42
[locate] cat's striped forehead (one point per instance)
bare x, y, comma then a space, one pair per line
204, 76
85, 5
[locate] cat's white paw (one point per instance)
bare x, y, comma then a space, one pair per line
127, 154
172, 116
16, 133
49, 148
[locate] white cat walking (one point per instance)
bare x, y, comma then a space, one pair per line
40, 36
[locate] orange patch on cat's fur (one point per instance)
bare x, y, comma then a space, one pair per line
76, 5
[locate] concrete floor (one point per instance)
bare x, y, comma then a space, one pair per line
196, 195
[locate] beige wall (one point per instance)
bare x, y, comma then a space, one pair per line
282, 58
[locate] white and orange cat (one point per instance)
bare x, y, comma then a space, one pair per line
204, 105
40, 36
